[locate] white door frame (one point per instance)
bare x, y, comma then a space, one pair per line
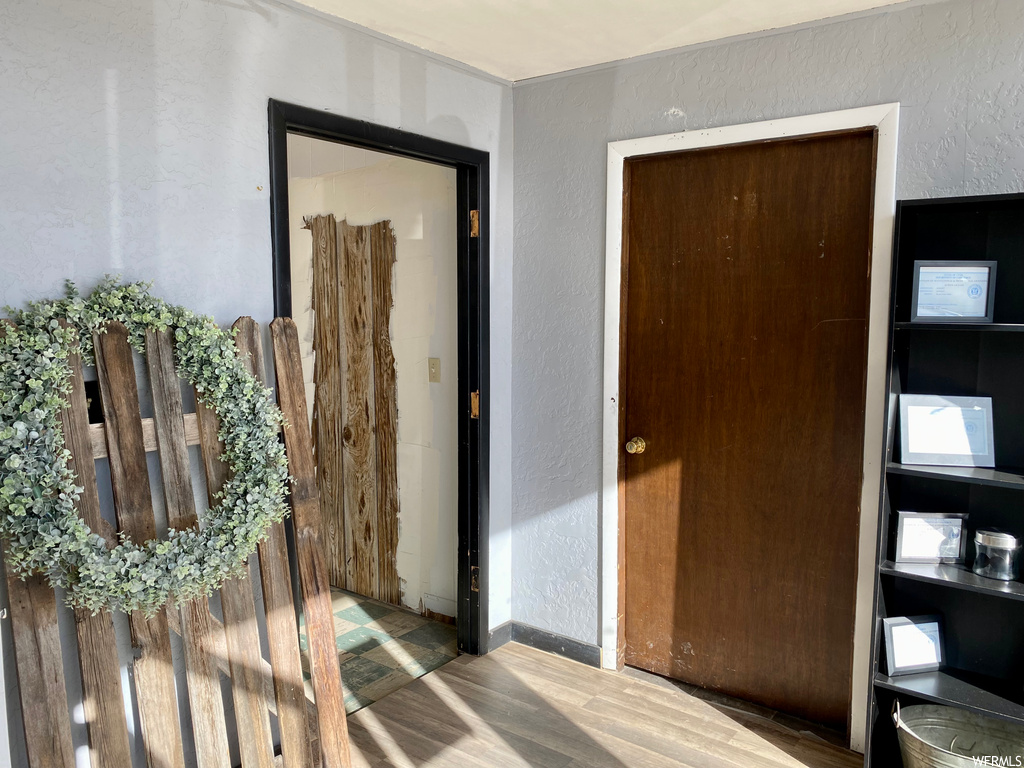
885, 117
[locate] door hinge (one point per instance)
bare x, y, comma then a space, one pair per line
474, 223
474, 405
474, 578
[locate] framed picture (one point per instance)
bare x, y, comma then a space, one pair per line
913, 644
946, 431
953, 292
930, 537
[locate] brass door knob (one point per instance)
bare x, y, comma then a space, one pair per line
636, 445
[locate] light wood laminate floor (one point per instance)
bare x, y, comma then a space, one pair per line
518, 707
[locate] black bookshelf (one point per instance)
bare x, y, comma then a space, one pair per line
983, 619
954, 576
1006, 477
974, 693
975, 327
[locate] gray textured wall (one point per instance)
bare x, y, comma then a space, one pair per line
133, 140
956, 67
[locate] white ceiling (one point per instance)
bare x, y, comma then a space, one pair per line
518, 39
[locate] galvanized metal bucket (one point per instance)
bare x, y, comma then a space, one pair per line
945, 737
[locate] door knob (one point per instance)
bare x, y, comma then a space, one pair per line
636, 445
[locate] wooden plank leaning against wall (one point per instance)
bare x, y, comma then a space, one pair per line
197, 630
355, 414
385, 388
328, 371
275, 579
360, 506
133, 504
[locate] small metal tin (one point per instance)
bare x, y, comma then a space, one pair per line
997, 555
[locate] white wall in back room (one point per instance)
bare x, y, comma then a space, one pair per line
419, 200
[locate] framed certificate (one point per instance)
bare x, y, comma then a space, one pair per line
913, 644
953, 292
930, 537
946, 431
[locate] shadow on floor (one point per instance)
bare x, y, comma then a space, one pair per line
744, 710
809, 743
521, 708
475, 717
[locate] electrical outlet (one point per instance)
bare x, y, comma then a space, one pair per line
434, 370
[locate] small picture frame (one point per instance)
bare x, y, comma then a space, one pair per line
931, 537
913, 644
946, 431
953, 292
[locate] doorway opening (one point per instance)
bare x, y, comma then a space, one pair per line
380, 257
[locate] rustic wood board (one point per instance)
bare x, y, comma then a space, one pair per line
275, 575
313, 575
241, 636
103, 698
170, 431
129, 475
44, 703
207, 643
195, 624
328, 409
360, 456
37, 656
382, 255
98, 435
220, 657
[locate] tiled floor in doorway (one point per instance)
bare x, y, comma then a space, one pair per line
382, 648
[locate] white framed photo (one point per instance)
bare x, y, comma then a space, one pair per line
953, 292
913, 644
946, 431
930, 537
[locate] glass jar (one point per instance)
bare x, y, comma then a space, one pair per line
998, 555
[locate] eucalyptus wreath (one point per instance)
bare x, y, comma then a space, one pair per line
38, 489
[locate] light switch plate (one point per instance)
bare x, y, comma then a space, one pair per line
434, 370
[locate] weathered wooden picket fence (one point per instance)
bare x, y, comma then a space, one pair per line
310, 734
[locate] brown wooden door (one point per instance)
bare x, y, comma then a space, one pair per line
743, 368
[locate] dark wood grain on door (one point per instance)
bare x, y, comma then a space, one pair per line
746, 275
